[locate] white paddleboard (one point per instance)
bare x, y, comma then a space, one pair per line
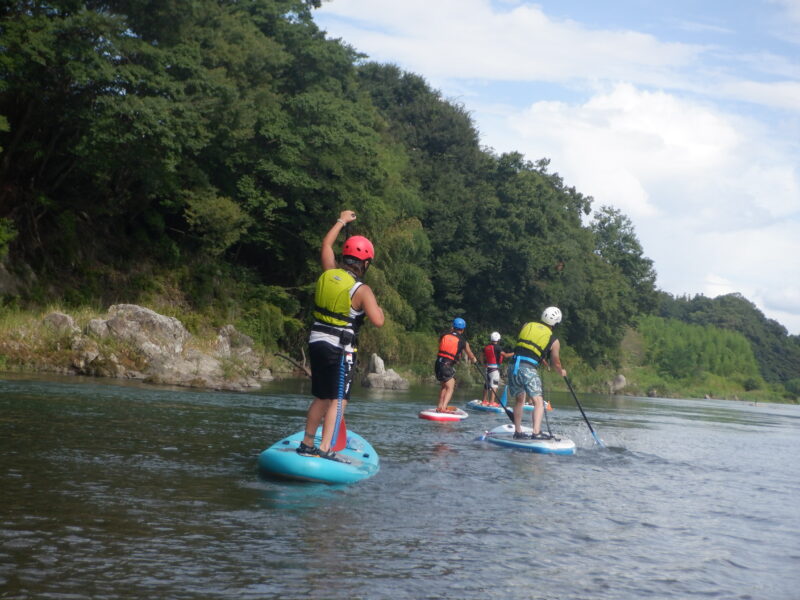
503, 435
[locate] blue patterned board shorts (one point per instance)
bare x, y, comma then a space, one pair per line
526, 379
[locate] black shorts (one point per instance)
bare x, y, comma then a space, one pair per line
444, 369
331, 371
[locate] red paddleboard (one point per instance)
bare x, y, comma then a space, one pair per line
452, 414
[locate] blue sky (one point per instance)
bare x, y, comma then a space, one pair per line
683, 114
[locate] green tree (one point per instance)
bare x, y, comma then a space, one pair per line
617, 244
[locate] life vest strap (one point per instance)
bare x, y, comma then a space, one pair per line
534, 344
329, 313
520, 359
346, 336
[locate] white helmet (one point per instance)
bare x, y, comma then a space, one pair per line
495, 337
551, 316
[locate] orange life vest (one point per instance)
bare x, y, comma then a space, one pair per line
450, 346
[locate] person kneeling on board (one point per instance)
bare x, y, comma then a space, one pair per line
342, 302
451, 345
534, 342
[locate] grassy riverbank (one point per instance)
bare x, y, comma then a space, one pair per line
28, 344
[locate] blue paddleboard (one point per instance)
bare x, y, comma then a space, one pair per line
282, 460
493, 407
503, 435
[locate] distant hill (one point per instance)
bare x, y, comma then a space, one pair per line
777, 352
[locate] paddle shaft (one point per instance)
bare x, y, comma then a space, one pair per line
596, 439
339, 441
546, 418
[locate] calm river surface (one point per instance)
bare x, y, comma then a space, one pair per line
129, 491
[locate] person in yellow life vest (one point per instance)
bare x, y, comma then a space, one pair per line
341, 303
534, 342
451, 345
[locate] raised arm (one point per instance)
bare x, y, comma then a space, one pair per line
327, 256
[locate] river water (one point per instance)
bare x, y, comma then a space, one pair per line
129, 491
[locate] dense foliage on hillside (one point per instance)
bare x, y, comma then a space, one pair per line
776, 353
678, 350
201, 150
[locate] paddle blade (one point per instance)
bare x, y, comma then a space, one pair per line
339, 441
598, 440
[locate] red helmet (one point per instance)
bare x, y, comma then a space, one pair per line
359, 247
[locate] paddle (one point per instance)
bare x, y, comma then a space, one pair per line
546, 419
339, 441
596, 439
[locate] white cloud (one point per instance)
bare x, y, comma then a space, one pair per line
468, 39
791, 9
472, 40
778, 94
638, 150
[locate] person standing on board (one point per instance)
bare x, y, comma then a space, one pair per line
451, 345
534, 342
493, 357
341, 303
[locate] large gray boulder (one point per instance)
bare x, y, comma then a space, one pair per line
617, 384
154, 334
378, 376
60, 323
139, 343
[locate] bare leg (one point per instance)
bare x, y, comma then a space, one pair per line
316, 412
329, 424
519, 409
538, 413
445, 394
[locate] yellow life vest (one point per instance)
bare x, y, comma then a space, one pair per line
332, 298
534, 340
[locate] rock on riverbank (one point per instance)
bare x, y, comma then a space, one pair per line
137, 343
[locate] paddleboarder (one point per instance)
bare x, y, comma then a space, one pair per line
493, 356
451, 346
341, 303
534, 343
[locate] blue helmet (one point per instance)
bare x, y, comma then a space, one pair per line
459, 323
